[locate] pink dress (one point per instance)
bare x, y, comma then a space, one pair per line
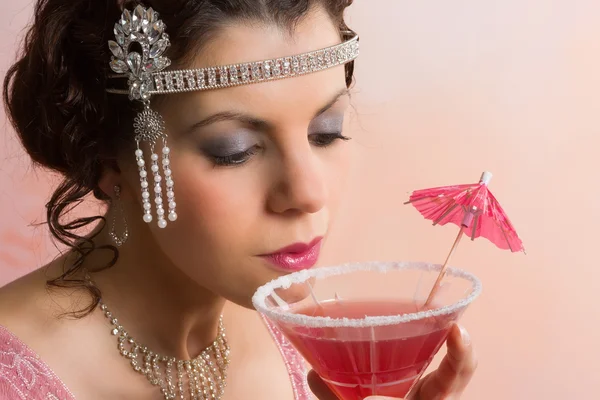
24, 376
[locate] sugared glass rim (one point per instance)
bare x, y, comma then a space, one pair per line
284, 282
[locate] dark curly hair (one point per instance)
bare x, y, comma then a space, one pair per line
55, 94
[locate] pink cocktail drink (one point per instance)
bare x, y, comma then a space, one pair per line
363, 327
385, 363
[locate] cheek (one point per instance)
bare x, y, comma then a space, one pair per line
222, 211
217, 206
337, 168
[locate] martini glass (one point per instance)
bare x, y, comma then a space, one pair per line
365, 328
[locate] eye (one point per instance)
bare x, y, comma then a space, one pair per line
234, 159
326, 139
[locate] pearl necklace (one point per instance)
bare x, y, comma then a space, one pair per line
202, 378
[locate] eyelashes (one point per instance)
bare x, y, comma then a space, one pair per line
234, 159
320, 140
326, 139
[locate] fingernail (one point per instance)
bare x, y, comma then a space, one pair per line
464, 335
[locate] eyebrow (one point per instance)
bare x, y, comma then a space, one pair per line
257, 123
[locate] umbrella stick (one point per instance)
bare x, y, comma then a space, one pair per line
436, 286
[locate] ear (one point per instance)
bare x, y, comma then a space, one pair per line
111, 176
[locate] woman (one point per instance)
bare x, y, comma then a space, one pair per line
253, 162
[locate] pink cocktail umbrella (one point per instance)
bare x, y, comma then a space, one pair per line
474, 209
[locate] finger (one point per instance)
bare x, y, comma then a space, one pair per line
455, 370
319, 388
460, 361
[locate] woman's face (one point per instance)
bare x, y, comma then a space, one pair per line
256, 167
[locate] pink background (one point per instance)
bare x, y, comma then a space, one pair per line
446, 90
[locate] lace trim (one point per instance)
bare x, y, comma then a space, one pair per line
24, 375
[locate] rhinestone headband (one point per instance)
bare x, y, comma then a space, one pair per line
146, 77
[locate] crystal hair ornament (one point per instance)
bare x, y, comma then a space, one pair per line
146, 78
157, 81
143, 26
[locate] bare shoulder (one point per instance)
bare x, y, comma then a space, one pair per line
41, 319
21, 302
28, 307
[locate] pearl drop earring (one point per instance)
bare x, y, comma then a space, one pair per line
169, 183
149, 127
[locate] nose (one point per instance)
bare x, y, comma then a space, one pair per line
301, 185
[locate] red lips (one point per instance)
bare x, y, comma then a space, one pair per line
296, 257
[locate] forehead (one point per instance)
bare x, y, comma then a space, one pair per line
244, 42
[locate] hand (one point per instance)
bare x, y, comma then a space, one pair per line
446, 383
